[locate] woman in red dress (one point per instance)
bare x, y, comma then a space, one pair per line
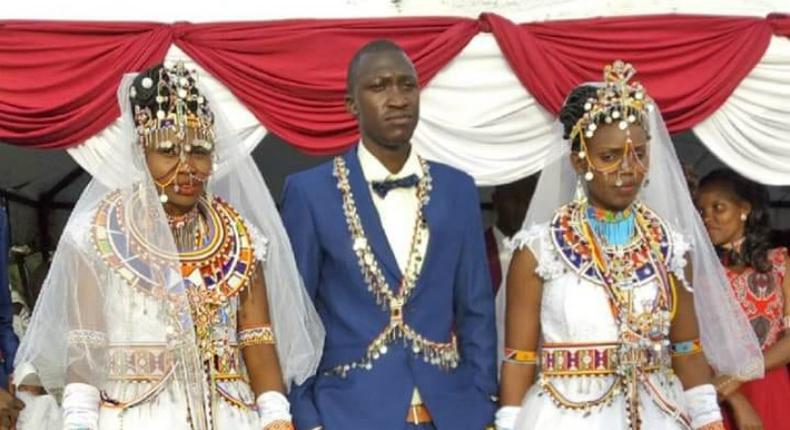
735, 213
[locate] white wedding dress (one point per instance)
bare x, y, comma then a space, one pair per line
576, 311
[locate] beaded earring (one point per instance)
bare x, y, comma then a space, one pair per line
580, 195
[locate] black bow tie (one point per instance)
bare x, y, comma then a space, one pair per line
383, 187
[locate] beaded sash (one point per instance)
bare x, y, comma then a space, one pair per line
444, 355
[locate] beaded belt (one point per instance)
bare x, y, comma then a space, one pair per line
596, 359
627, 363
149, 363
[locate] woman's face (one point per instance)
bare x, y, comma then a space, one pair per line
180, 174
721, 210
619, 163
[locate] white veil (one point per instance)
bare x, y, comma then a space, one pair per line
729, 342
66, 341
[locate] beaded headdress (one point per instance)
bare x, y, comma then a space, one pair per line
182, 116
617, 101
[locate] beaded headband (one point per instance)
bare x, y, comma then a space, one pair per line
617, 101
182, 112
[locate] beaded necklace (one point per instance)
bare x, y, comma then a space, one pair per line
189, 230
612, 228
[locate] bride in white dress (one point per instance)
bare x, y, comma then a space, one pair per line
601, 326
173, 301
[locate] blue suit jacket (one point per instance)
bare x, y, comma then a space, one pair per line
8, 340
453, 293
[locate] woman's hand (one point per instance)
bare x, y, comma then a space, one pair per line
10, 407
746, 418
726, 385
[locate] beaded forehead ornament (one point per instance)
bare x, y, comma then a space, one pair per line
182, 121
617, 101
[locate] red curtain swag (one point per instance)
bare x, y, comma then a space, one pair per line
58, 80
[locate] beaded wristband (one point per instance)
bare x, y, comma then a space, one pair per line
256, 336
517, 356
729, 380
279, 425
686, 348
718, 425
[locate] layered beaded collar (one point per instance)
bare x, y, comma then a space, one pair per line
569, 238
222, 263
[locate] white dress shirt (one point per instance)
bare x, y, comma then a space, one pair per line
398, 209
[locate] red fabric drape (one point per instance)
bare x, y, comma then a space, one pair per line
58, 80
292, 74
689, 64
780, 23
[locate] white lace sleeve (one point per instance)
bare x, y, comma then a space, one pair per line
537, 239
677, 260
259, 243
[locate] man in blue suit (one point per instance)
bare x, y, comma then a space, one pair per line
391, 250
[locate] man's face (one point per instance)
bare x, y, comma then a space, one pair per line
385, 99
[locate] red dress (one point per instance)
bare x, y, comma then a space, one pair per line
762, 299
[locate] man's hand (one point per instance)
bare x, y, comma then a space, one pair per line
10, 407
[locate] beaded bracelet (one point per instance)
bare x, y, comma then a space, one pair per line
517, 356
686, 348
718, 425
263, 335
279, 425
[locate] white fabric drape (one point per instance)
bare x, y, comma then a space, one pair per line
476, 116
751, 131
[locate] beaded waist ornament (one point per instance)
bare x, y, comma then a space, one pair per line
597, 359
441, 354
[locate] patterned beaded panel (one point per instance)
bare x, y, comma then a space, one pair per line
594, 359
152, 363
